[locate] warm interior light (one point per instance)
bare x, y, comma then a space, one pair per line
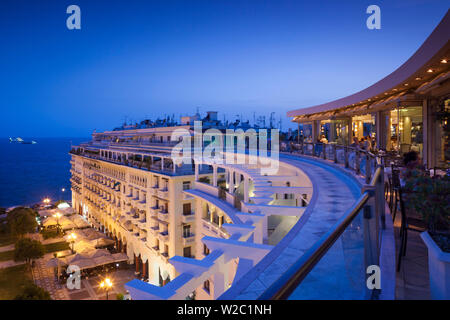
430, 70
444, 61
406, 84
418, 78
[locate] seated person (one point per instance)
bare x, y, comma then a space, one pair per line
323, 139
412, 162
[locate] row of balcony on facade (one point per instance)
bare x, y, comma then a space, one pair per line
134, 220
144, 161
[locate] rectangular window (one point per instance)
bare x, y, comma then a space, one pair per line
206, 250
186, 185
187, 252
186, 231
206, 286
304, 198
186, 208
216, 219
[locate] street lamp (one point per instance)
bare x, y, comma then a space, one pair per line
57, 216
46, 201
107, 285
72, 238
62, 193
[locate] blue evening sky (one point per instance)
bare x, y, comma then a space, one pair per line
140, 59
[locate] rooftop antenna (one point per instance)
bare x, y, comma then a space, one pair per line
271, 119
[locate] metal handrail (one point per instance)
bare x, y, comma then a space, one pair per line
291, 279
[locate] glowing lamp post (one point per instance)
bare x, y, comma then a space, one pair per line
57, 216
106, 285
72, 237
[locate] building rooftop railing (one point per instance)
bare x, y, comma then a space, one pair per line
143, 165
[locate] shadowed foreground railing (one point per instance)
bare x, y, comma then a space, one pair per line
333, 269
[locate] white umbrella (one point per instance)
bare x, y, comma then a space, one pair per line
118, 257
73, 259
50, 221
85, 264
83, 245
92, 234
100, 261
55, 262
78, 221
99, 253
102, 242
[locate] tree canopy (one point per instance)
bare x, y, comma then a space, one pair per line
27, 249
21, 221
33, 292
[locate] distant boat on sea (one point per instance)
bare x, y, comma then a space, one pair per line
20, 140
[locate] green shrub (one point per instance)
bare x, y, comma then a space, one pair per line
27, 250
49, 233
33, 292
21, 221
119, 296
429, 197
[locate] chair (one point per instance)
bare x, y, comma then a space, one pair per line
407, 223
395, 187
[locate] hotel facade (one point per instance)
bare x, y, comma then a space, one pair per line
209, 230
168, 217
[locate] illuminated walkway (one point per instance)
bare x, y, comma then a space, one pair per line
334, 193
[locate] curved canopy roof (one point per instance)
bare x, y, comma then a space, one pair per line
427, 62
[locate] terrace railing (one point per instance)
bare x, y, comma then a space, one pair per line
338, 265
362, 162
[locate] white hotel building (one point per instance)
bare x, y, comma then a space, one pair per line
312, 230
186, 228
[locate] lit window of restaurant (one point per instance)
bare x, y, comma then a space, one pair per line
406, 130
363, 126
442, 132
335, 131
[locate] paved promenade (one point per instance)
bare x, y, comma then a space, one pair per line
45, 278
89, 289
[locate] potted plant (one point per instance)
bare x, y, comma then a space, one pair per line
431, 198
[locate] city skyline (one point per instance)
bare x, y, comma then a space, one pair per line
236, 58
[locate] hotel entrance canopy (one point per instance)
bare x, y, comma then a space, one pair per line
417, 78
